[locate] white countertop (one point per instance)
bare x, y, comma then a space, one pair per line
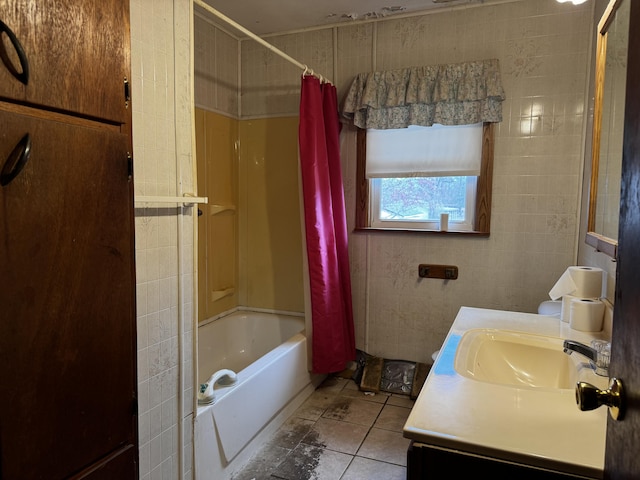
537, 427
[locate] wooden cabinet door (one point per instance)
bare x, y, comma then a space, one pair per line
77, 53
67, 324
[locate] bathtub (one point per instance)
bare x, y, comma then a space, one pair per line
268, 351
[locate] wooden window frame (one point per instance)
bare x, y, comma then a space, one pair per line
482, 217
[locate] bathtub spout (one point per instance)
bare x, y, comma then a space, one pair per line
224, 377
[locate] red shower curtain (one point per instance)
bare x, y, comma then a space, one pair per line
333, 341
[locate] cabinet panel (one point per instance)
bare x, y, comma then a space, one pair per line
67, 325
425, 462
78, 55
122, 465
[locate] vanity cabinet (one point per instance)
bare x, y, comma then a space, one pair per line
426, 462
495, 402
68, 387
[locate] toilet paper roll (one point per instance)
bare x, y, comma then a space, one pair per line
565, 312
584, 282
588, 281
586, 314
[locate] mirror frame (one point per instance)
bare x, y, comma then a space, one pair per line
606, 245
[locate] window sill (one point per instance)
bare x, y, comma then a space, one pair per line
473, 233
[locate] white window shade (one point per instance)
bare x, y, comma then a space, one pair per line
416, 151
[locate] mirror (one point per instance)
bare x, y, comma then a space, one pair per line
608, 127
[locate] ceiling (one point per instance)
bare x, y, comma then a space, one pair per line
271, 16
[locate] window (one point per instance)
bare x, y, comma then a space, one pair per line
417, 202
413, 189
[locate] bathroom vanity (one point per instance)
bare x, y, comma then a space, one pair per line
500, 399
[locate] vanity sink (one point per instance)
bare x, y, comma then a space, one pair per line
517, 359
502, 388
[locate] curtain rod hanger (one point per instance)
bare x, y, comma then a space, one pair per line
264, 43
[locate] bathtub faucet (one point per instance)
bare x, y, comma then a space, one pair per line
224, 377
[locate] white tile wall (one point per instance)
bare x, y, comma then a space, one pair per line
544, 48
162, 103
216, 67
271, 84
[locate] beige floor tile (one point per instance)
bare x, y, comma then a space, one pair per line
351, 385
321, 438
353, 410
392, 418
308, 462
341, 437
333, 384
401, 401
380, 397
292, 432
385, 446
367, 469
263, 464
314, 406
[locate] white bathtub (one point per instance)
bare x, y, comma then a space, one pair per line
269, 354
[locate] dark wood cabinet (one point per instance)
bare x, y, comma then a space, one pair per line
122, 464
68, 387
426, 462
76, 54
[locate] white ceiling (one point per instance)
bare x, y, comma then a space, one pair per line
270, 16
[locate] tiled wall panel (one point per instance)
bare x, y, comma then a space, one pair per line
216, 67
270, 85
544, 49
161, 102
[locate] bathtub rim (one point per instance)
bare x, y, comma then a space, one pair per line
233, 310
252, 369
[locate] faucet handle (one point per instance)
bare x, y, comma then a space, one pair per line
603, 348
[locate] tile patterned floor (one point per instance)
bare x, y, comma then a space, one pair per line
339, 433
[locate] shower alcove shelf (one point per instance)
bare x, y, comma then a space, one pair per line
230, 290
218, 209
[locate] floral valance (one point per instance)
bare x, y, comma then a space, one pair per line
452, 94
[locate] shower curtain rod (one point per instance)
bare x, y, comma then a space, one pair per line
237, 26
